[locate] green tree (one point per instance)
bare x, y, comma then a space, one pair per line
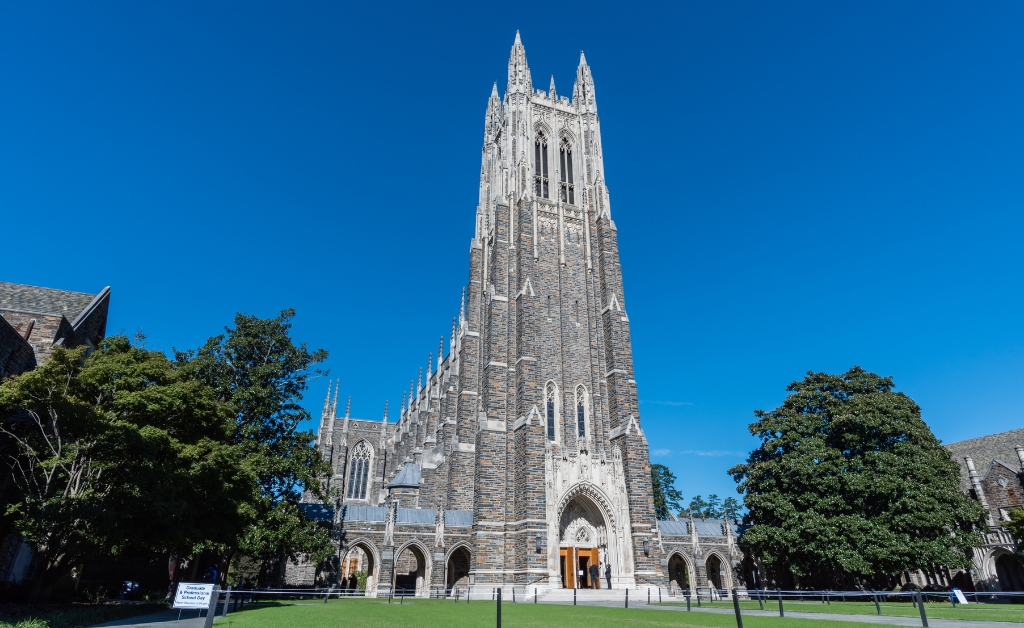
259, 369
1016, 524
731, 508
700, 508
117, 452
849, 482
667, 498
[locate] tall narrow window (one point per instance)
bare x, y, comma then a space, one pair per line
359, 472
581, 411
565, 185
540, 166
550, 395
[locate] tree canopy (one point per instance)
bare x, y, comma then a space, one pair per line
849, 482
667, 498
262, 373
118, 452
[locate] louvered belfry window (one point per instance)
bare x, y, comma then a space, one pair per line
565, 175
540, 166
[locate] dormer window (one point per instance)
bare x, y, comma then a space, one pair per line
540, 167
566, 183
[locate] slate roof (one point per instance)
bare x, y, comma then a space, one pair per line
364, 513
985, 450
408, 477
457, 518
417, 515
705, 527
36, 300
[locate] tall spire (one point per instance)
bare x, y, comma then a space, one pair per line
462, 308
551, 90
583, 89
334, 404
411, 393
401, 411
430, 363
518, 71
327, 400
440, 352
419, 383
348, 407
451, 342
383, 428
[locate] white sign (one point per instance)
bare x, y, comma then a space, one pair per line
193, 595
959, 595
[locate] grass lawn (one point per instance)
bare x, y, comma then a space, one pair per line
377, 613
987, 612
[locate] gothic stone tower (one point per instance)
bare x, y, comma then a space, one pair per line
547, 400
521, 458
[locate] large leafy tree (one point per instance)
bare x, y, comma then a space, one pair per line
667, 497
118, 452
257, 367
849, 483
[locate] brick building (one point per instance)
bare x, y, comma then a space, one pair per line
518, 456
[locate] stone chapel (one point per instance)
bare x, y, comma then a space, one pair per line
518, 458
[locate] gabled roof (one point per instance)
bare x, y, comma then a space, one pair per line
408, 477
47, 301
984, 450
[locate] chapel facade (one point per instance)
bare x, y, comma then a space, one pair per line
518, 457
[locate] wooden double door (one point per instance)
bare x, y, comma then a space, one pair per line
575, 567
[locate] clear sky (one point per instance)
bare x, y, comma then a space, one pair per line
797, 185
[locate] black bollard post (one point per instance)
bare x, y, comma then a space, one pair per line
648, 596
698, 598
468, 589
513, 595
534, 595
574, 596
326, 595
401, 600
499, 607
913, 599
760, 600
659, 595
782, 612
736, 606
627, 597
687, 601
920, 605
878, 608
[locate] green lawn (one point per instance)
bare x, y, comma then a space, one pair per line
377, 613
987, 612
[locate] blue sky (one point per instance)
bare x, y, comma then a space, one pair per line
797, 185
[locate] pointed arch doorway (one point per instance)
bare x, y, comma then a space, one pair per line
583, 543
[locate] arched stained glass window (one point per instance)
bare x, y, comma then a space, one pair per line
359, 471
550, 405
581, 411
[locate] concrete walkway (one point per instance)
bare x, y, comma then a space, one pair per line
161, 619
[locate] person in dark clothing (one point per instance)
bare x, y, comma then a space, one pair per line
595, 576
608, 574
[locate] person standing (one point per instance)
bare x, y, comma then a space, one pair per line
608, 574
595, 576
